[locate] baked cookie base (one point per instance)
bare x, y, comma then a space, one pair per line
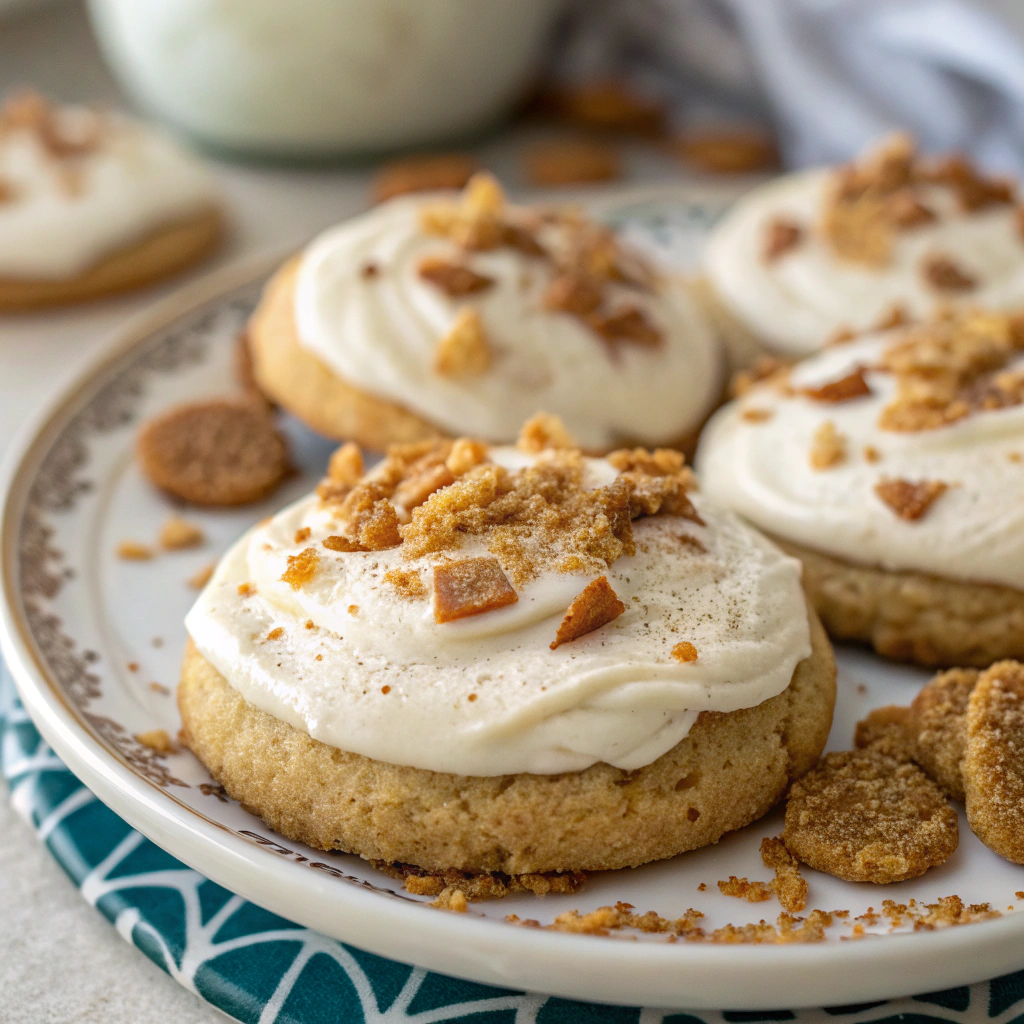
160, 254
911, 616
297, 380
728, 772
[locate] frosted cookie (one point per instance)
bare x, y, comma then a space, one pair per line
891, 236
93, 203
452, 660
893, 466
463, 314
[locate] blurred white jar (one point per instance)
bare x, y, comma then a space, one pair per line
309, 78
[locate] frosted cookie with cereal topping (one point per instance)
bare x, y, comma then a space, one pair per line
454, 659
453, 314
893, 466
892, 235
92, 204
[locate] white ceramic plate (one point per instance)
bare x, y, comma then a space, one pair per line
75, 617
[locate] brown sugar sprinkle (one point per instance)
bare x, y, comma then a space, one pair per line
871, 453
496, 886
157, 740
201, 577
543, 431
788, 885
754, 414
944, 274
781, 235
465, 454
732, 152
470, 586
595, 606
937, 719
455, 279
463, 351
993, 765
570, 161
828, 447
133, 551
887, 730
863, 817
684, 651
370, 519
423, 173
177, 534
301, 568
853, 385
276, 633
752, 892
910, 500
407, 582
302, 534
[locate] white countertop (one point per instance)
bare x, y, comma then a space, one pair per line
60, 961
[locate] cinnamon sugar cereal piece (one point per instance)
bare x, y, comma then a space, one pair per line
177, 533
729, 152
943, 274
339, 543
606, 105
993, 765
684, 651
909, 499
570, 162
463, 351
133, 551
218, 452
345, 466
454, 278
752, 892
853, 385
424, 172
828, 447
781, 235
542, 432
407, 582
573, 292
887, 731
863, 817
789, 885
465, 454
201, 577
629, 324
157, 740
470, 586
595, 606
301, 568
938, 724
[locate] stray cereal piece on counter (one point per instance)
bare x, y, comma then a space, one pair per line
157, 740
201, 577
909, 499
828, 447
543, 431
133, 551
595, 606
887, 730
470, 586
993, 765
938, 725
728, 152
177, 534
570, 162
863, 817
424, 172
684, 651
217, 452
463, 351
789, 885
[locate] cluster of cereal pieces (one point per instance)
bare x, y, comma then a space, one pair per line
871, 201
880, 813
426, 498
481, 220
946, 369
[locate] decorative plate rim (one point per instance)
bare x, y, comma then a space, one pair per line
580, 967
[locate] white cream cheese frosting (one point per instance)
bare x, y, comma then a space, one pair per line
753, 458
796, 302
63, 212
361, 668
379, 332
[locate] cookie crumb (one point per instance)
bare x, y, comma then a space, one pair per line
463, 351
910, 500
301, 568
451, 899
828, 447
595, 606
684, 651
752, 892
407, 582
178, 534
133, 551
276, 633
157, 740
345, 465
470, 586
788, 885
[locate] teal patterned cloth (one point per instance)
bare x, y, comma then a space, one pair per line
262, 969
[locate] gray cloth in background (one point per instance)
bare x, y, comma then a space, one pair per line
829, 74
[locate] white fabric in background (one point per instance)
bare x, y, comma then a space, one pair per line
830, 74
